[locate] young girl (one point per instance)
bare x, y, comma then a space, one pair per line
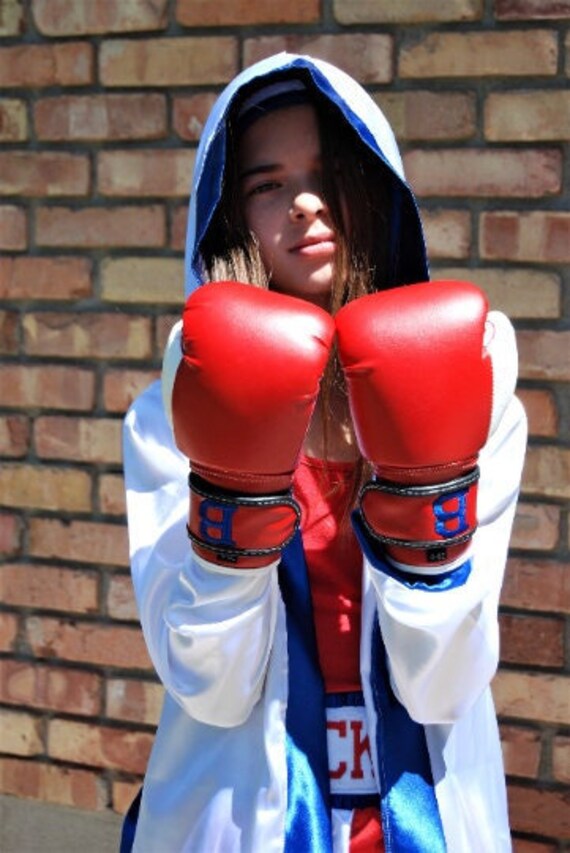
324, 618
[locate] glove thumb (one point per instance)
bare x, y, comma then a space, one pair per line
500, 346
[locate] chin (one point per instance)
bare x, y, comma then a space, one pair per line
315, 288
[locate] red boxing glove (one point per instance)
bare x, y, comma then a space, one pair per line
240, 379
418, 366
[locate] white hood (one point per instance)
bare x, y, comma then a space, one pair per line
407, 246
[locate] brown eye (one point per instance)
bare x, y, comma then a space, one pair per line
265, 187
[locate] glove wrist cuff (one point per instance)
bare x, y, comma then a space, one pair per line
421, 524
243, 531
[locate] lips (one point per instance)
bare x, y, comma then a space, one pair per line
315, 244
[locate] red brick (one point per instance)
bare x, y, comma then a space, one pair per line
82, 17
43, 173
532, 584
63, 786
14, 435
229, 13
40, 278
527, 116
547, 472
123, 793
366, 57
53, 688
8, 628
64, 489
541, 410
561, 759
134, 701
190, 114
178, 228
447, 232
159, 280
163, 329
145, 173
199, 61
485, 172
480, 54
542, 236
87, 642
9, 333
523, 845
426, 115
120, 598
78, 439
101, 227
544, 355
10, 534
47, 387
533, 640
81, 541
531, 10
101, 335
540, 812
13, 120
20, 733
532, 696
517, 291
99, 746
13, 228
111, 494
411, 12
11, 18
122, 387
537, 526
521, 751
101, 117
36, 65
49, 587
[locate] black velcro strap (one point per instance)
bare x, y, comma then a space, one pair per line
420, 491
253, 516
383, 501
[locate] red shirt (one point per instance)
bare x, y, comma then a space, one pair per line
325, 492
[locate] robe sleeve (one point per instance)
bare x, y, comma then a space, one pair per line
441, 633
208, 630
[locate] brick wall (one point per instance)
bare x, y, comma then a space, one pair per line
101, 105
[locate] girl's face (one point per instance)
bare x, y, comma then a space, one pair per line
280, 173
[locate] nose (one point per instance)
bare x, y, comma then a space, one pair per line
307, 205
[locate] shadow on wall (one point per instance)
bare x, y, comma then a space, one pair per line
27, 826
